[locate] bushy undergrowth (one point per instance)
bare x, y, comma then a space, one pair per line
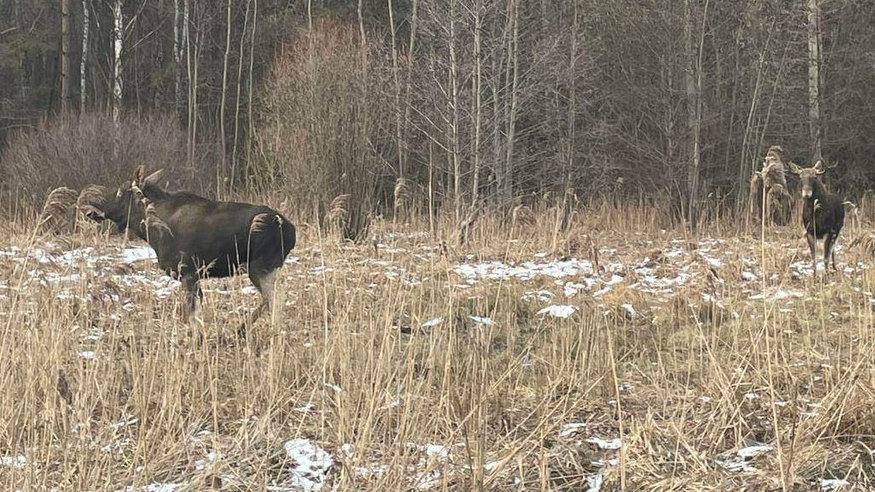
92, 149
325, 126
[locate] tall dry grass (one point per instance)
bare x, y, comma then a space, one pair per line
102, 388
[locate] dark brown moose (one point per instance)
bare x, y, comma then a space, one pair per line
823, 213
195, 237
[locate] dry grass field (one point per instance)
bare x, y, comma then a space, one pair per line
615, 355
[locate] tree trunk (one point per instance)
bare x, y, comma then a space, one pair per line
66, 76
177, 57
83, 63
397, 90
117, 40
814, 118
234, 158
506, 193
476, 84
455, 158
411, 46
693, 77
220, 168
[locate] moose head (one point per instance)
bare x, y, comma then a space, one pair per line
812, 186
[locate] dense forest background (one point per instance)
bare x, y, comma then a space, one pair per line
451, 105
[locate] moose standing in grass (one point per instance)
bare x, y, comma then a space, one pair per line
823, 213
195, 237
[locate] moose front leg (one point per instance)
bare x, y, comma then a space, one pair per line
193, 294
812, 246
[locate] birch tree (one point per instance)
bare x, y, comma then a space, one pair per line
83, 62
117, 44
66, 75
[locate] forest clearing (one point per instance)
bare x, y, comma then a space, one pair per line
490, 245
628, 356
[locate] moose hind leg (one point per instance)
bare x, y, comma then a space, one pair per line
829, 251
264, 282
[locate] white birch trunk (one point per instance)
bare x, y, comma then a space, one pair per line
66, 75
117, 40
83, 62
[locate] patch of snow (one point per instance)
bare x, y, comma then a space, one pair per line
558, 310
572, 428
436, 450
497, 270
433, 322
751, 451
155, 487
482, 320
209, 458
540, 295
748, 276
311, 464
602, 444
594, 482
832, 483
336, 388
13, 461
630, 310
137, 253
88, 354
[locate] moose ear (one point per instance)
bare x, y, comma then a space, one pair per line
794, 168
819, 168
153, 178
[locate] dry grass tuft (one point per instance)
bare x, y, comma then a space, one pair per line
58, 213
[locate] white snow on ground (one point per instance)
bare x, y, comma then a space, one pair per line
310, 464
13, 461
571, 428
832, 483
482, 320
497, 270
137, 253
603, 444
558, 310
433, 322
155, 487
740, 462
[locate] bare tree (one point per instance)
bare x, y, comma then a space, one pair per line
66, 77
118, 35
220, 167
177, 56
814, 117
83, 62
694, 74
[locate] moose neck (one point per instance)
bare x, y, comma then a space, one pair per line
817, 190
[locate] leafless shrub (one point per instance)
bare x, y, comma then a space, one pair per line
523, 216
59, 210
324, 123
402, 198
94, 149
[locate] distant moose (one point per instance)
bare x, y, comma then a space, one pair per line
195, 237
769, 186
823, 213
